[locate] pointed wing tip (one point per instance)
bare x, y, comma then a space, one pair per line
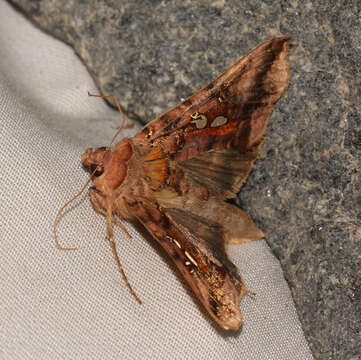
288, 42
281, 43
284, 38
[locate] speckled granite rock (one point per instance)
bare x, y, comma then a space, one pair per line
305, 191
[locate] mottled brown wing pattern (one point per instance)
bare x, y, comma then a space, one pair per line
216, 135
231, 112
196, 246
175, 174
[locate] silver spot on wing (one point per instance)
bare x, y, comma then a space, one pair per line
219, 121
199, 120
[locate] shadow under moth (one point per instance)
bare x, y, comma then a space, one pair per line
175, 174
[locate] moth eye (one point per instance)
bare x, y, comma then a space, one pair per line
97, 169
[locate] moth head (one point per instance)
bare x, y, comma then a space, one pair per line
108, 166
95, 159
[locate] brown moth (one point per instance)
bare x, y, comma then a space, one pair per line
176, 173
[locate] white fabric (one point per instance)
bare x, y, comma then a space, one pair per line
74, 305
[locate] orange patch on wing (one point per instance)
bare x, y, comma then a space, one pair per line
157, 170
154, 154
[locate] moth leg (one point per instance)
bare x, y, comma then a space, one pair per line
98, 201
110, 219
99, 204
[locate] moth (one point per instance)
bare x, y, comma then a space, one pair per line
175, 175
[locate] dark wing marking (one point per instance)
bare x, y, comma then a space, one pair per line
197, 248
231, 112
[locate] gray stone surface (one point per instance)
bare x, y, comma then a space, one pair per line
305, 190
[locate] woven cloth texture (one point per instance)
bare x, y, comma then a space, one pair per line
74, 305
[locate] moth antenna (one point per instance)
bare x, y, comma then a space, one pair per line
123, 125
112, 244
62, 209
